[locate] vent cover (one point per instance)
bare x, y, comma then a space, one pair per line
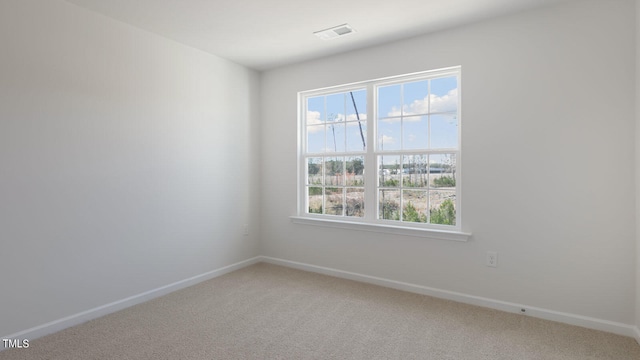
334, 32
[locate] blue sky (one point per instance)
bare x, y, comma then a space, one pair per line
343, 134
410, 102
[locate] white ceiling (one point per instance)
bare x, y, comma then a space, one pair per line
263, 34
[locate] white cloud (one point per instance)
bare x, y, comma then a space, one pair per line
388, 139
350, 117
445, 103
313, 118
353, 117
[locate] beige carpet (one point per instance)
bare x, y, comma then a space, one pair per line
270, 312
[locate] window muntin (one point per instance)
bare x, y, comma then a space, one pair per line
335, 133
417, 126
336, 122
423, 185
412, 144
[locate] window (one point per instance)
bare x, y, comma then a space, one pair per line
383, 152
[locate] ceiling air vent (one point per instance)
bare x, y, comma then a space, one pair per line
334, 32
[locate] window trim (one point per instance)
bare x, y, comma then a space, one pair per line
371, 222
382, 228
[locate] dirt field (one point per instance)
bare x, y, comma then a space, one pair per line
421, 198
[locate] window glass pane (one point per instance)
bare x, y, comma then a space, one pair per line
444, 131
315, 110
442, 169
389, 171
314, 171
416, 98
335, 137
315, 139
414, 171
444, 95
355, 171
442, 207
356, 138
414, 206
336, 107
389, 204
389, 134
314, 199
334, 171
389, 101
333, 201
360, 97
355, 202
415, 132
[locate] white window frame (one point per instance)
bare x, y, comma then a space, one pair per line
370, 221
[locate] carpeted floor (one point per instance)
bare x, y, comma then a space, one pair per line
271, 312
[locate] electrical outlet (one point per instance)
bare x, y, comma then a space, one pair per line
492, 259
245, 229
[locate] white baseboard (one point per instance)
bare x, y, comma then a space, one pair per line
99, 311
572, 319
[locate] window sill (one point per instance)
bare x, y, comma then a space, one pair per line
383, 228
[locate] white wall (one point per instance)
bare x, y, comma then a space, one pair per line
637, 165
126, 162
548, 142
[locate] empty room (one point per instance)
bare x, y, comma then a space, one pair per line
411, 179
